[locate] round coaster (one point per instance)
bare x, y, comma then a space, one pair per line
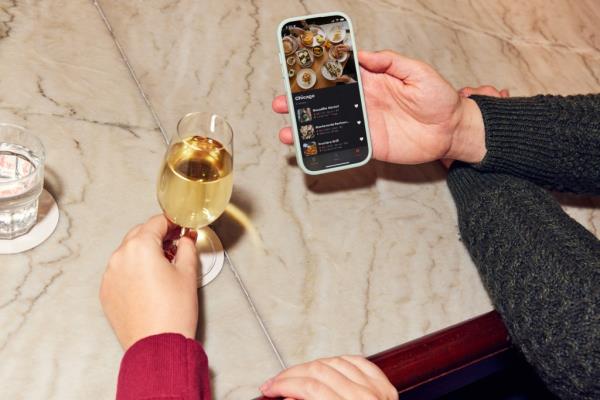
47, 220
212, 257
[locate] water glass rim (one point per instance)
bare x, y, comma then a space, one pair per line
41, 155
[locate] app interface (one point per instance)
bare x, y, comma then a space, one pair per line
321, 67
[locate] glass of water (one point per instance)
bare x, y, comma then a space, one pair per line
21, 180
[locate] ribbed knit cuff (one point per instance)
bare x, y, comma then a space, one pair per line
166, 365
466, 183
553, 141
519, 135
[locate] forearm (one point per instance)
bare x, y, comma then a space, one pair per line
542, 271
166, 366
553, 141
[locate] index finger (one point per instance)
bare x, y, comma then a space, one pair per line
157, 226
280, 105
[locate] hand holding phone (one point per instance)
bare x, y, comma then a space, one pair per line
415, 115
322, 80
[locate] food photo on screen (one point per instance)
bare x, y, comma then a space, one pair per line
319, 54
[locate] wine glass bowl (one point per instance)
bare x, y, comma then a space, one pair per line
196, 181
196, 178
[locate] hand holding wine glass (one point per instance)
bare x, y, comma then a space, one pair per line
161, 299
196, 178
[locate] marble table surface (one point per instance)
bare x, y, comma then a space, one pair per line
354, 262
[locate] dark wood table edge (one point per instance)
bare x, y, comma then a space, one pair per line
473, 344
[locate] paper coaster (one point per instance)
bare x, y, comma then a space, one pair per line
46, 223
211, 256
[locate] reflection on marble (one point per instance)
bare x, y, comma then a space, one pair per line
63, 79
354, 262
363, 260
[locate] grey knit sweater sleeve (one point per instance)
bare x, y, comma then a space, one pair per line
540, 268
553, 141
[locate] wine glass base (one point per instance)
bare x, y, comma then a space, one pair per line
210, 254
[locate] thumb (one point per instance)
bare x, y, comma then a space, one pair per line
186, 259
388, 62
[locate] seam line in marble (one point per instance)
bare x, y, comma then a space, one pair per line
165, 137
131, 71
254, 310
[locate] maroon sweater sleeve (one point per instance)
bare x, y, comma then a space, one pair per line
166, 367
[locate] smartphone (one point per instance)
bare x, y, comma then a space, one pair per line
320, 70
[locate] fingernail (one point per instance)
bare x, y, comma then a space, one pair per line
266, 385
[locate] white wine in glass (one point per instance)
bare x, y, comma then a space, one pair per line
196, 181
196, 178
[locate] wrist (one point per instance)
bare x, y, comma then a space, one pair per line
468, 138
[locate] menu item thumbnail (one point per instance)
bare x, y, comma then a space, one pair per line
310, 148
304, 114
307, 132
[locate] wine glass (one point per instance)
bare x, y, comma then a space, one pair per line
195, 184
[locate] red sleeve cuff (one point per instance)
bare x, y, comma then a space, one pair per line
166, 366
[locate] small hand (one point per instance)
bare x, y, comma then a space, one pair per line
337, 378
142, 293
415, 115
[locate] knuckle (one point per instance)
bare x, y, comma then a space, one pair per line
135, 242
114, 260
133, 230
317, 368
335, 361
354, 359
313, 387
136, 245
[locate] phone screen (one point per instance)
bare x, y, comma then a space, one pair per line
320, 58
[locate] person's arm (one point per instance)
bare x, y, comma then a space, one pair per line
165, 366
553, 141
416, 116
542, 272
152, 305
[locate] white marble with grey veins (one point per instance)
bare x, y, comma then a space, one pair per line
350, 263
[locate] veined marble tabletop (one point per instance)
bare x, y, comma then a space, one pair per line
355, 262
